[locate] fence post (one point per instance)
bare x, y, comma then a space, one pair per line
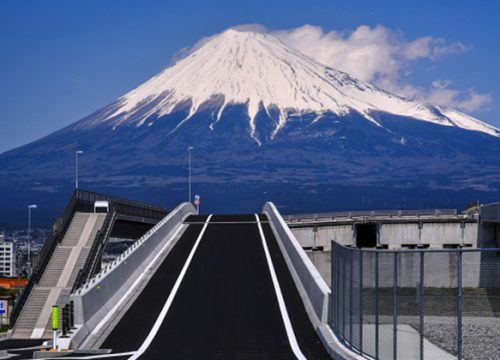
421, 305
333, 301
376, 305
459, 305
337, 288
395, 307
361, 300
344, 276
351, 252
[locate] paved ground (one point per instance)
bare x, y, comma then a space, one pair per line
133, 328
226, 307
225, 304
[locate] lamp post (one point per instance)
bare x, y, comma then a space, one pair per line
29, 237
78, 152
189, 181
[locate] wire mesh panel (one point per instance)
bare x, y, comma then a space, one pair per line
417, 304
407, 305
354, 300
481, 305
386, 308
369, 303
440, 303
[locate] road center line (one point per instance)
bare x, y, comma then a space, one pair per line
279, 295
168, 303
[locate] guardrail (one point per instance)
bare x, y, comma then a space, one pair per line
376, 213
92, 264
416, 304
315, 291
81, 200
86, 201
55, 236
95, 299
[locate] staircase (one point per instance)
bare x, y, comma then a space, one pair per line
59, 276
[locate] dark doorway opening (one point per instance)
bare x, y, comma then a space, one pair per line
366, 235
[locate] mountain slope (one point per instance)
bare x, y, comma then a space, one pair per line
259, 71
267, 123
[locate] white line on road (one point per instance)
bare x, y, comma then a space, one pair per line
168, 303
281, 301
99, 356
134, 286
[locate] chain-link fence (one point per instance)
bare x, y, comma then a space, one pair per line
417, 304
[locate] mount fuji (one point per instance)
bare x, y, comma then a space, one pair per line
266, 123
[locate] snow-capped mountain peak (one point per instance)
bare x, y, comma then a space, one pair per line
260, 71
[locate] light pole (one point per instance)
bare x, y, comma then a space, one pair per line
78, 152
29, 237
189, 181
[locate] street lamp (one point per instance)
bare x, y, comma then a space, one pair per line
78, 152
29, 236
189, 181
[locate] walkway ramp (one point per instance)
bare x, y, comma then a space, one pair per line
59, 276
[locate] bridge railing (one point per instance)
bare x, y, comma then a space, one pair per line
81, 200
98, 296
314, 290
92, 264
413, 304
55, 236
367, 213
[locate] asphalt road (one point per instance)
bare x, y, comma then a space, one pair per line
225, 304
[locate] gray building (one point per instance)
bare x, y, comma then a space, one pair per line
7, 258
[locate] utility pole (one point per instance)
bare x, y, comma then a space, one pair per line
34, 206
189, 179
78, 152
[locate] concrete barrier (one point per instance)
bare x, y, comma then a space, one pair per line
313, 289
101, 293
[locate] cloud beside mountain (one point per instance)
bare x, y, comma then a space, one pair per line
378, 55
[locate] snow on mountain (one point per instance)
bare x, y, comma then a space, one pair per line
262, 72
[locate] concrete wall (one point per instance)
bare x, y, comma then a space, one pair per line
434, 234
393, 234
97, 297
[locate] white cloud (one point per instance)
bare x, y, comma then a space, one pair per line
470, 100
377, 55
384, 57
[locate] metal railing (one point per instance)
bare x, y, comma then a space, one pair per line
81, 200
92, 264
417, 304
117, 206
55, 236
370, 213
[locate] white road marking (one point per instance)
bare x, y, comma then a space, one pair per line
168, 303
134, 286
281, 301
99, 356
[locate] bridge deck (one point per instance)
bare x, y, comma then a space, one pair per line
225, 304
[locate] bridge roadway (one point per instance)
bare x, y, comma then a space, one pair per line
224, 292
214, 297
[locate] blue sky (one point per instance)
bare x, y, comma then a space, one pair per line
61, 60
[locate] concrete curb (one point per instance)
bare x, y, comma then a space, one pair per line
99, 296
313, 290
